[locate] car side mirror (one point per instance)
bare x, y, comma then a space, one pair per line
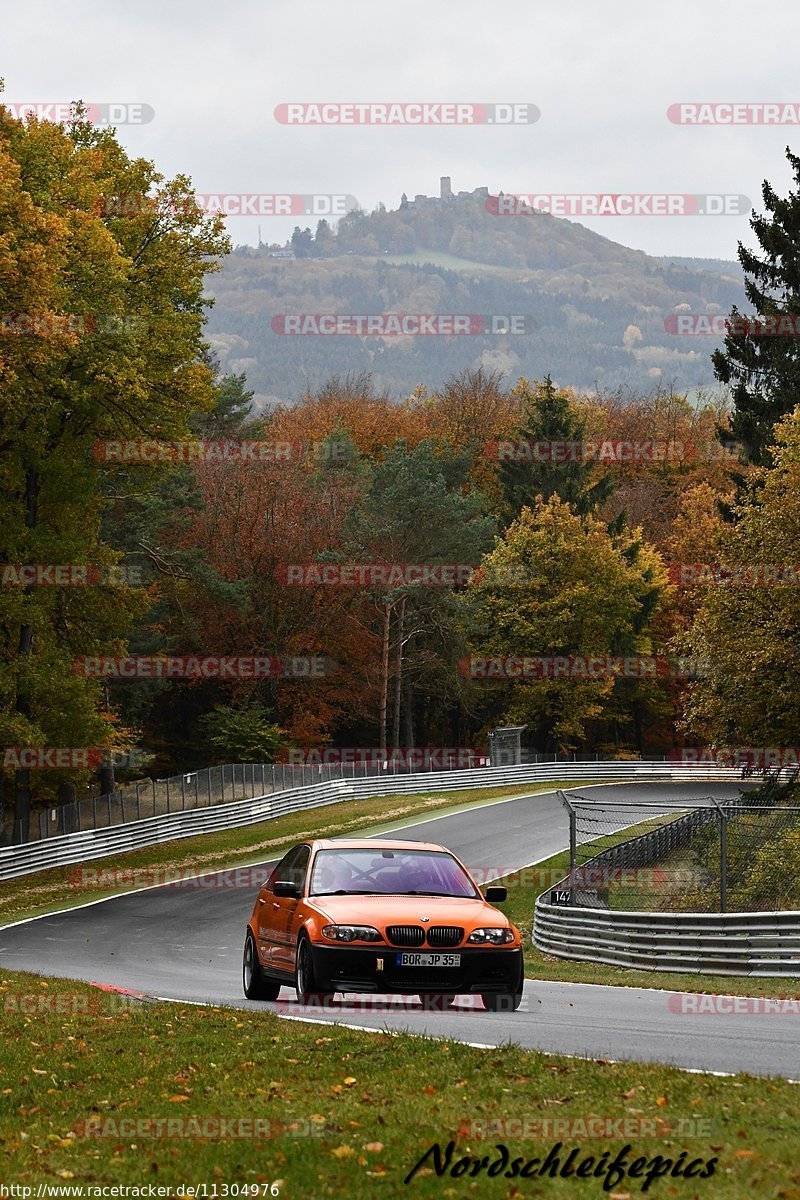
496, 895
285, 887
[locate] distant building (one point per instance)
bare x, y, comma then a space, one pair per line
282, 254
446, 196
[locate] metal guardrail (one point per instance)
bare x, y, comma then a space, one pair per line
87, 845
765, 944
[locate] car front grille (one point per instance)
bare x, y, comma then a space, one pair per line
405, 935
414, 935
444, 935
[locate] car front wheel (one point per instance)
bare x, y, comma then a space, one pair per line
308, 987
505, 1001
254, 983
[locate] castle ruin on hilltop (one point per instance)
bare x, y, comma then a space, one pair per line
446, 196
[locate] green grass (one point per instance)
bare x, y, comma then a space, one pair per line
345, 1113
64, 887
450, 262
523, 889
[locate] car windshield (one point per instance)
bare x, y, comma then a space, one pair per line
366, 872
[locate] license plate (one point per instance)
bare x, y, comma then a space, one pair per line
428, 960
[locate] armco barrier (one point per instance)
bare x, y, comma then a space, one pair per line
97, 843
710, 943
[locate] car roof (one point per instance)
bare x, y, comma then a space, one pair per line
373, 844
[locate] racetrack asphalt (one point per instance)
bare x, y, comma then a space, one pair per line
183, 942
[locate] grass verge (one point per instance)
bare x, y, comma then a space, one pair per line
64, 887
524, 887
95, 1094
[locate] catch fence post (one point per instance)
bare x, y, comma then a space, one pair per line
723, 863
723, 855
573, 843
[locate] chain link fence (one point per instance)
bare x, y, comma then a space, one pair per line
200, 789
218, 785
703, 855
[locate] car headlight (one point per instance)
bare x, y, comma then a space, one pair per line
351, 933
497, 937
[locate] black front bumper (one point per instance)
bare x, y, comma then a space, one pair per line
357, 969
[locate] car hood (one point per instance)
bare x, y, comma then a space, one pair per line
408, 910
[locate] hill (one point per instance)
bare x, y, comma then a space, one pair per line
595, 310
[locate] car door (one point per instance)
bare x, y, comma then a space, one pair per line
270, 912
286, 910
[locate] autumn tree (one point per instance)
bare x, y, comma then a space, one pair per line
558, 584
352, 402
105, 345
746, 632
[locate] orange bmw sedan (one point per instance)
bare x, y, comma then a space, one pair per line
347, 915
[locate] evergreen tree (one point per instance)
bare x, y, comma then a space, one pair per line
302, 242
763, 371
550, 422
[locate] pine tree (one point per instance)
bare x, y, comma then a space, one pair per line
763, 371
550, 421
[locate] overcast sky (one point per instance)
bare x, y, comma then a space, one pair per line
602, 75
